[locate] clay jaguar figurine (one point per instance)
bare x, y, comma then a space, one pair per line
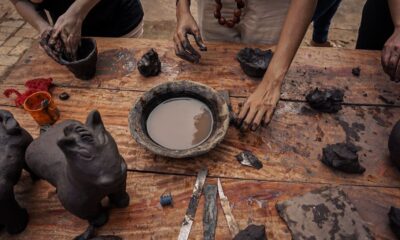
14, 141
82, 161
394, 145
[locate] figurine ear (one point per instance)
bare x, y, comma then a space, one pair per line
9, 123
67, 144
94, 121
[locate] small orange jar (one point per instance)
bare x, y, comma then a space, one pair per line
42, 108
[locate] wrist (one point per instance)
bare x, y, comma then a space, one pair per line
182, 9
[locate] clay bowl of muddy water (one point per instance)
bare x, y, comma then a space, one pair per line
179, 119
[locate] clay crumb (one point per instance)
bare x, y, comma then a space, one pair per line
252, 232
342, 157
327, 101
150, 64
356, 71
247, 158
63, 96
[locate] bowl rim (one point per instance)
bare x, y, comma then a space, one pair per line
141, 137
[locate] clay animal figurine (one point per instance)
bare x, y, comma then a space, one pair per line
14, 141
83, 162
394, 145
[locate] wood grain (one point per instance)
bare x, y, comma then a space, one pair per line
252, 202
312, 67
290, 148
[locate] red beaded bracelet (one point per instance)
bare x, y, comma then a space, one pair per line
236, 14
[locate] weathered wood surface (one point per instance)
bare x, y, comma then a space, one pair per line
290, 148
312, 67
252, 202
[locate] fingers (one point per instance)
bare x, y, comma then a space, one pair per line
199, 40
258, 118
242, 114
268, 116
180, 52
392, 63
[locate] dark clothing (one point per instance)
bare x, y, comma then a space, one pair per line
109, 18
323, 15
376, 25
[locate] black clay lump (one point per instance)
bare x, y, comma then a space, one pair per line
394, 218
343, 157
13, 143
252, 232
149, 64
83, 162
394, 145
327, 101
254, 62
247, 158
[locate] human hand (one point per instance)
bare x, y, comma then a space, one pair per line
54, 49
187, 25
68, 27
391, 56
259, 107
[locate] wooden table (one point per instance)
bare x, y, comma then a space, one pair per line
290, 148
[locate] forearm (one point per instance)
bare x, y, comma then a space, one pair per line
182, 6
296, 23
394, 6
81, 8
30, 14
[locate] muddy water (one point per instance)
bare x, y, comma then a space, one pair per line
180, 123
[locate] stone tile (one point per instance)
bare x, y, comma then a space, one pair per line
8, 29
12, 41
6, 60
12, 23
4, 35
5, 50
26, 33
21, 47
3, 70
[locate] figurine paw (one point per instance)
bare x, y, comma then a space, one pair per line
100, 220
19, 226
121, 201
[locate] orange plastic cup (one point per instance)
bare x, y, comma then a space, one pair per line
42, 108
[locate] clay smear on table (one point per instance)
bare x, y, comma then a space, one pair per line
180, 123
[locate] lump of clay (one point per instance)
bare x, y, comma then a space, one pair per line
394, 145
149, 64
356, 71
394, 218
14, 141
328, 101
343, 157
254, 62
252, 232
83, 162
247, 158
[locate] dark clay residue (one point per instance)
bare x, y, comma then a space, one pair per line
252, 232
394, 218
343, 157
64, 96
149, 64
386, 100
254, 62
328, 101
116, 63
356, 71
247, 158
394, 145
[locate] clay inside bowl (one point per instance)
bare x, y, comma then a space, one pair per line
84, 67
178, 90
